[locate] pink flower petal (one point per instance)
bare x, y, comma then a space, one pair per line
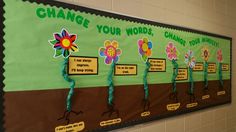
170, 45
186, 56
118, 52
169, 56
167, 50
174, 56
140, 42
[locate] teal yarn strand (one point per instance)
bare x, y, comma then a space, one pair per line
191, 81
175, 73
111, 85
146, 90
220, 74
72, 84
205, 74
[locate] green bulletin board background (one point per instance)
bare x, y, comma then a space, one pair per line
30, 65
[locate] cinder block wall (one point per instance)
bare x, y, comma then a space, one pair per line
216, 16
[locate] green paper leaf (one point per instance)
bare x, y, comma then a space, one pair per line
53, 42
58, 52
144, 58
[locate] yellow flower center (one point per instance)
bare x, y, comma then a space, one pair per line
145, 47
111, 51
205, 53
65, 42
171, 51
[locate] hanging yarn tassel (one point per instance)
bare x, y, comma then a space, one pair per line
72, 84
191, 81
205, 75
175, 73
111, 85
146, 91
220, 75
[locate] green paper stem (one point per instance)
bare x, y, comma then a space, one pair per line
191, 80
72, 84
220, 74
175, 73
205, 74
146, 90
111, 85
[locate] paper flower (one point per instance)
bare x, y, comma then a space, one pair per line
205, 53
190, 59
219, 55
63, 43
145, 48
171, 51
110, 51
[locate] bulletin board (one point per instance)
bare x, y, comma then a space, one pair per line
73, 68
